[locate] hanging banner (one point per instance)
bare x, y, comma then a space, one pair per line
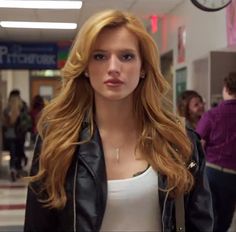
181, 44
62, 54
231, 23
31, 56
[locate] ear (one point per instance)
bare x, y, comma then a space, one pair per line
142, 74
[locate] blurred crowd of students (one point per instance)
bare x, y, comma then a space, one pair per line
18, 120
217, 130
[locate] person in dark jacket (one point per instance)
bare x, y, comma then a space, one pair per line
35, 111
23, 125
10, 117
109, 156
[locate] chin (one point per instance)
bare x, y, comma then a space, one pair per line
116, 97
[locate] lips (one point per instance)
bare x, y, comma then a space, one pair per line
113, 82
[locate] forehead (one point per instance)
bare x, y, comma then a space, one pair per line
116, 37
195, 100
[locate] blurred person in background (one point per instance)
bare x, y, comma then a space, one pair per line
35, 112
10, 118
217, 128
110, 157
23, 125
190, 105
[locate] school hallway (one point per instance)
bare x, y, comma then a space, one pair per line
13, 198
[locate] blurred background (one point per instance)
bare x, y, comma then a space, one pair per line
197, 50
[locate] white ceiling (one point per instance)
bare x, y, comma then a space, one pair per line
142, 8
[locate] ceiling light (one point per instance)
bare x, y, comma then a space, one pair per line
41, 4
38, 25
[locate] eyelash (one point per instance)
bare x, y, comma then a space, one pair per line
128, 56
123, 57
98, 57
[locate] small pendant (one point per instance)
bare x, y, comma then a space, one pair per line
117, 154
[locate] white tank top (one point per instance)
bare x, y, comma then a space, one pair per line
133, 204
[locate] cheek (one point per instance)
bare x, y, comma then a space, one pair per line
96, 73
134, 72
95, 69
133, 79
95, 81
192, 109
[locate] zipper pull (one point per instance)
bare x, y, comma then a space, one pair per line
192, 165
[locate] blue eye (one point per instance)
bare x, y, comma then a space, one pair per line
128, 56
99, 56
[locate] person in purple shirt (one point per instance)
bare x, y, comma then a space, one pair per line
217, 128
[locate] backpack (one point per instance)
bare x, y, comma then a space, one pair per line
23, 124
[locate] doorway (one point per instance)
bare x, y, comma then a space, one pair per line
46, 87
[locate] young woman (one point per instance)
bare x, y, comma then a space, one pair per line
11, 115
191, 106
109, 157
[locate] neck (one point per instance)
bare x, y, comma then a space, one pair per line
115, 115
194, 120
116, 124
229, 97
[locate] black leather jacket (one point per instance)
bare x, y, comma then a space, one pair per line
86, 188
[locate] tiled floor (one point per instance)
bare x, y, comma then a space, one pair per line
13, 195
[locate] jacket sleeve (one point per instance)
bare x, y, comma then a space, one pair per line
198, 205
37, 217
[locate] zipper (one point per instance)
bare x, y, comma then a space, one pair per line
192, 165
35, 144
74, 193
163, 212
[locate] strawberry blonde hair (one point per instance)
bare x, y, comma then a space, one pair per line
162, 140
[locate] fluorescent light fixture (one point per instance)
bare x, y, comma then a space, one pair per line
41, 4
38, 25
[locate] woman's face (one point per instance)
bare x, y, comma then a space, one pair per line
196, 107
115, 64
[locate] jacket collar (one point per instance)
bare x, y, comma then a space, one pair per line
91, 152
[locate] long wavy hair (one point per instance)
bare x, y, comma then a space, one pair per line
14, 105
183, 103
162, 140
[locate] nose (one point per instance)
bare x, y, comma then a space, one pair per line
114, 65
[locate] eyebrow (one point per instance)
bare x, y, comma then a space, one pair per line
122, 50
